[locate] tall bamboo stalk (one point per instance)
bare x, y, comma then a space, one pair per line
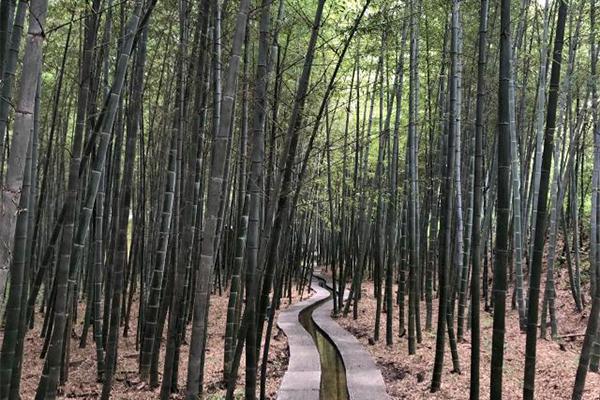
15, 168
502, 204
217, 170
540, 230
477, 200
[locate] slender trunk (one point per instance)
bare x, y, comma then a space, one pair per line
502, 204
445, 231
540, 230
217, 170
591, 344
15, 169
9, 71
14, 317
477, 200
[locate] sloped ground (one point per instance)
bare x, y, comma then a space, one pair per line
127, 386
409, 377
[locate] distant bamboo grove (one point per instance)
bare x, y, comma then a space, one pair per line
156, 153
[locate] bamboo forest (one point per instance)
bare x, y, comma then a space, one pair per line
299, 199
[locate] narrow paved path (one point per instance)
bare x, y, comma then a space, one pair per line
302, 378
365, 381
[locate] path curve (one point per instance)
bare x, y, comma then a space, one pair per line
302, 379
365, 381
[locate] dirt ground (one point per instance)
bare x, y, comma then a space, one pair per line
409, 377
127, 386
406, 377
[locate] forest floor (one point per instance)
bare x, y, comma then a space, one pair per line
406, 377
127, 384
409, 377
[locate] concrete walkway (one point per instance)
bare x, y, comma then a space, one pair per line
365, 381
302, 379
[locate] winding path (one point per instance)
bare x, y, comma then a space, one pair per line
365, 381
302, 379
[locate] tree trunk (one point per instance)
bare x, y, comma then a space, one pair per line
502, 205
540, 229
217, 170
